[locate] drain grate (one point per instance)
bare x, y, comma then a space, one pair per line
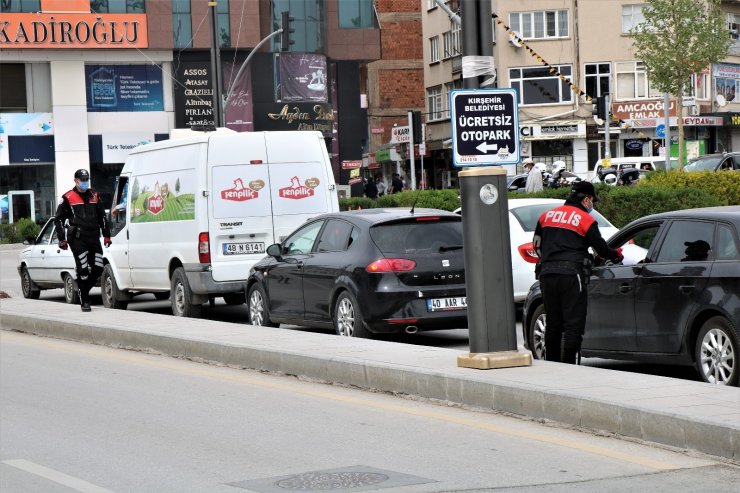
346, 479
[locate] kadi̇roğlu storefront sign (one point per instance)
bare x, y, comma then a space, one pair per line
73, 30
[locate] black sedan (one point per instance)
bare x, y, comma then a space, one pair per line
674, 299
365, 272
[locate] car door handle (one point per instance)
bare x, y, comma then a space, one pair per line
299, 264
42, 251
687, 288
625, 288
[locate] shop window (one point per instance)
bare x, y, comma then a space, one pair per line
182, 27
309, 21
20, 6
540, 24
356, 14
537, 85
118, 6
597, 79
633, 81
13, 88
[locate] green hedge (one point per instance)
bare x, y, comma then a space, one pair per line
18, 231
435, 199
723, 185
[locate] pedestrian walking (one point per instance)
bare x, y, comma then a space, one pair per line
371, 189
79, 220
562, 238
380, 183
396, 183
534, 177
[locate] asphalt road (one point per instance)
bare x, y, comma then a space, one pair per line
452, 339
77, 417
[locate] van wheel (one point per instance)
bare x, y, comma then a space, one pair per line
234, 299
181, 296
347, 317
717, 352
27, 286
258, 311
109, 290
537, 329
161, 296
71, 295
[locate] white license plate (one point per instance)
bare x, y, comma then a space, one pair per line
447, 304
243, 248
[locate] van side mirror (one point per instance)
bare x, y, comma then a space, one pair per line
275, 250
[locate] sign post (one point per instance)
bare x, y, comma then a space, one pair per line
485, 135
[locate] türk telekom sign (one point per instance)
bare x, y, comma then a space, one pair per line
71, 24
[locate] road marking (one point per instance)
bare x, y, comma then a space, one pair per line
56, 476
203, 370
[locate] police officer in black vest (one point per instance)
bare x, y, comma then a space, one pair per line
84, 216
562, 238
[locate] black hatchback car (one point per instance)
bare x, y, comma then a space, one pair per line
365, 272
674, 299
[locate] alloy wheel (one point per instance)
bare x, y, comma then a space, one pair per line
69, 288
180, 297
717, 357
538, 336
346, 318
256, 308
26, 283
108, 289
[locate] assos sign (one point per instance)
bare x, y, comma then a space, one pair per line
485, 127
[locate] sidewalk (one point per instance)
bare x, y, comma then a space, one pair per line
667, 411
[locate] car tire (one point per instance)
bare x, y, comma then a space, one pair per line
234, 299
71, 294
347, 317
716, 352
536, 334
259, 314
162, 295
109, 290
181, 296
27, 286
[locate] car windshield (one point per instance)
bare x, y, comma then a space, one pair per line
418, 235
527, 216
703, 164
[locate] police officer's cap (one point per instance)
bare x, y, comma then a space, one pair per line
82, 174
584, 188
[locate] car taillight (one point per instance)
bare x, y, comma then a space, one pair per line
391, 265
204, 249
428, 218
528, 253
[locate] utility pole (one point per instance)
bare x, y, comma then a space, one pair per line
667, 123
218, 109
607, 127
411, 151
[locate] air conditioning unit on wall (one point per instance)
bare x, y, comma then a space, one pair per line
694, 111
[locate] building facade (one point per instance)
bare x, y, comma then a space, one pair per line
588, 42
82, 82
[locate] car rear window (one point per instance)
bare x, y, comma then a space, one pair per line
418, 235
528, 215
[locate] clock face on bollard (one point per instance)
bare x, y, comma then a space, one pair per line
488, 194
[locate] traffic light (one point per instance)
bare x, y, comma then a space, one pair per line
416, 124
600, 109
285, 41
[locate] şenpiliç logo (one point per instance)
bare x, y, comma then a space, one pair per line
240, 192
296, 191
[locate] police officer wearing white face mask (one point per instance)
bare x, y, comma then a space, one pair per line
562, 238
85, 218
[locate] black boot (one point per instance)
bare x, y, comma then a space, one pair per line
84, 301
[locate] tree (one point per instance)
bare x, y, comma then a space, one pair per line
680, 38
177, 186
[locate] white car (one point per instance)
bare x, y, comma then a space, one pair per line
523, 216
43, 265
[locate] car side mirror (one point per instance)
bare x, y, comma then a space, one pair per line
29, 240
275, 250
513, 188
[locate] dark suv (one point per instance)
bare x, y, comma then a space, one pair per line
674, 299
729, 161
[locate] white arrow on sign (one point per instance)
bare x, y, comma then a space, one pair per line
485, 147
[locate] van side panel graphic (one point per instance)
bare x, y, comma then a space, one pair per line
241, 190
163, 197
299, 188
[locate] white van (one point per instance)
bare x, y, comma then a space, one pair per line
192, 215
655, 162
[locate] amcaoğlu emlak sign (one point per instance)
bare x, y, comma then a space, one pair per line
73, 30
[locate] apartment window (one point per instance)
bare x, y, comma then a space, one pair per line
536, 85
118, 6
452, 44
631, 17
434, 49
434, 102
699, 86
181, 23
431, 4
309, 20
449, 87
12, 88
224, 26
733, 24
633, 82
597, 79
20, 6
354, 14
541, 24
